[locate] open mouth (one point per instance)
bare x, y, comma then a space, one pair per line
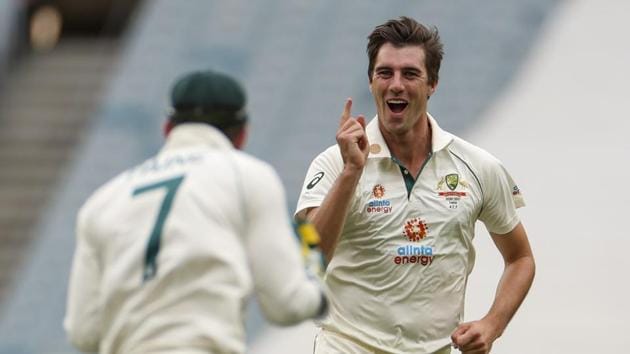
397, 105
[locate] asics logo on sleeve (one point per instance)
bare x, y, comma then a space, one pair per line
318, 177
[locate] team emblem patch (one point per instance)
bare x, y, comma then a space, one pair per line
452, 181
452, 195
415, 229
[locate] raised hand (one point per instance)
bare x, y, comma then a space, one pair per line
352, 139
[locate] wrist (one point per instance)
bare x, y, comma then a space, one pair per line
497, 326
352, 171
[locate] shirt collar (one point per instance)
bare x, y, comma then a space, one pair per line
196, 134
378, 147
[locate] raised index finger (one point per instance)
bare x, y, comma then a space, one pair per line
346, 111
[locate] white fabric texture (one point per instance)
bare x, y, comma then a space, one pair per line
225, 234
398, 274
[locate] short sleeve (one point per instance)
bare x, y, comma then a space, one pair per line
500, 200
320, 178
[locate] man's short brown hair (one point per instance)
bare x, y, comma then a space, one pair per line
406, 31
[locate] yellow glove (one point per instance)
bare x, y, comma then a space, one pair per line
311, 251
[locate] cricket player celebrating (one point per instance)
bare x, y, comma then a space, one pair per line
395, 203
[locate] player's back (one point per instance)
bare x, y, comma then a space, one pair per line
168, 238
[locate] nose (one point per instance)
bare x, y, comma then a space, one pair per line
396, 86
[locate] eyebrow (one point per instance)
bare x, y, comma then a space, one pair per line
404, 68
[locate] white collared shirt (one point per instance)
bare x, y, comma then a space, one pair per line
217, 219
398, 274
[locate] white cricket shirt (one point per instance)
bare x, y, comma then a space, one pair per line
398, 275
169, 251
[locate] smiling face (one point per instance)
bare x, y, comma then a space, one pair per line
400, 86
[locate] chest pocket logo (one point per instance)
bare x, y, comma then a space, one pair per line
452, 196
452, 181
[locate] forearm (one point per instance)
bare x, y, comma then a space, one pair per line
330, 217
515, 282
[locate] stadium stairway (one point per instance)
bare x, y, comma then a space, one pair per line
45, 107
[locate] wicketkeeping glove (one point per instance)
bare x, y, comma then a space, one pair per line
310, 248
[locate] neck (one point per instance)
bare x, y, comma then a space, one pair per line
412, 147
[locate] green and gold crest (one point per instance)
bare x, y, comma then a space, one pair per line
452, 181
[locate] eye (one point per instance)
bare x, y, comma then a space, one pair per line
384, 73
411, 74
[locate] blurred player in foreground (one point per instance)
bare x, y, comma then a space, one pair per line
169, 251
396, 202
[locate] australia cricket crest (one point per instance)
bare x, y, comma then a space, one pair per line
454, 191
452, 181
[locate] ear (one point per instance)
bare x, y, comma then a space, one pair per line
167, 127
434, 87
241, 138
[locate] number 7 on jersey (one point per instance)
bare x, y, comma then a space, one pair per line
153, 246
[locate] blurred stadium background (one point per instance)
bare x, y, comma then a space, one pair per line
541, 83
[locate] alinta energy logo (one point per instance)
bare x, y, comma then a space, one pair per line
414, 230
379, 205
